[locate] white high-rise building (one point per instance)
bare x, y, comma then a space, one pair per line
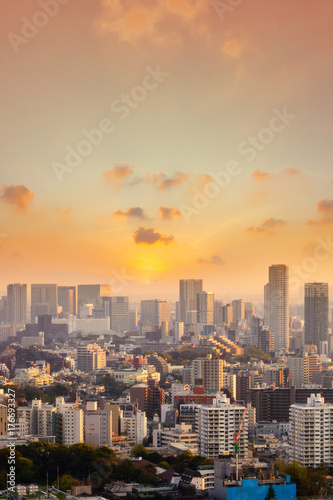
97, 426
216, 425
135, 426
311, 432
279, 305
179, 330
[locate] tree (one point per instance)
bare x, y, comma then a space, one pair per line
65, 482
139, 451
270, 494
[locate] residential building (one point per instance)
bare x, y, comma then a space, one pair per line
311, 432
90, 357
216, 425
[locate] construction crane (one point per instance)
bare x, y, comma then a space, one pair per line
236, 440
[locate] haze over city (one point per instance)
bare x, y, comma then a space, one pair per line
182, 94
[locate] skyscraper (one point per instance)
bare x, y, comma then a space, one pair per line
119, 315
44, 300
238, 310
92, 294
155, 311
17, 303
279, 305
316, 312
266, 305
188, 290
205, 308
67, 300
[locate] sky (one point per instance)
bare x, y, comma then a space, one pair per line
147, 141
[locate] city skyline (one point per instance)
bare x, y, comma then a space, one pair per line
134, 168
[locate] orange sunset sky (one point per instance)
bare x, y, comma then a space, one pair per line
183, 91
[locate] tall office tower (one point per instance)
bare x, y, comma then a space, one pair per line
17, 303
155, 311
248, 311
179, 330
238, 310
209, 371
44, 300
299, 370
216, 425
227, 314
316, 312
266, 305
67, 300
90, 357
279, 305
119, 314
177, 311
311, 432
133, 318
92, 294
205, 308
218, 312
188, 290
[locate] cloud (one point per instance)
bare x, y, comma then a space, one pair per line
64, 211
169, 213
268, 226
133, 212
118, 174
232, 48
292, 171
258, 175
325, 208
19, 196
202, 179
132, 20
215, 259
163, 182
150, 237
